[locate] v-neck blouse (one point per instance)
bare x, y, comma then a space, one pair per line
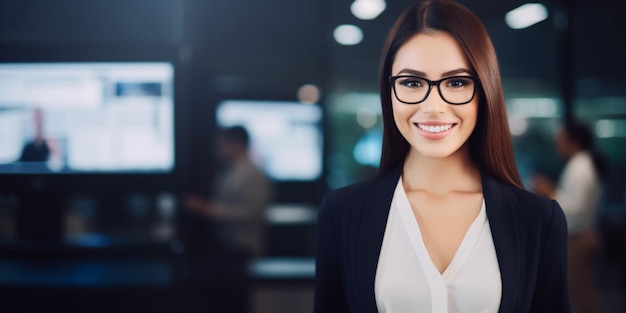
408, 281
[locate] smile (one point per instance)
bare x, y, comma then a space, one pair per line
435, 128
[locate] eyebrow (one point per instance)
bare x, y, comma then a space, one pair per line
444, 74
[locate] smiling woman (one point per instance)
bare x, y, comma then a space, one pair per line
446, 225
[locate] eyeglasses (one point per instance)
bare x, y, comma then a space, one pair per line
414, 89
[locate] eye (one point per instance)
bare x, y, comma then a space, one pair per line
410, 82
458, 82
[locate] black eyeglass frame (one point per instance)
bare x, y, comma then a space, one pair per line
392, 81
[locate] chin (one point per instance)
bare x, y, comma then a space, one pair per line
438, 151
434, 153
441, 156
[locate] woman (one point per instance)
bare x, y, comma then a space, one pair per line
446, 225
579, 192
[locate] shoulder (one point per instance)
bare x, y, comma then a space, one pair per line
248, 171
350, 192
581, 157
533, 210
580, 167
346, 200
379, 187
530, 208
530, 202
350, 201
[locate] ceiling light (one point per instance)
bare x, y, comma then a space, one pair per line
368, 9
348, 35
526, 15
308, 94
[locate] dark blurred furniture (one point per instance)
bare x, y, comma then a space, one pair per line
121, 277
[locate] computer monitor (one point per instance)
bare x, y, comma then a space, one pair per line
286, 140
86, 118
105, 129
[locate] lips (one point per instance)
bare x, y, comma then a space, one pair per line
434, 128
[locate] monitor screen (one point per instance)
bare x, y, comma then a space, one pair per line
87, 117
285, 137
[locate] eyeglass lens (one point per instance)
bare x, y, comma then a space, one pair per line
454, 90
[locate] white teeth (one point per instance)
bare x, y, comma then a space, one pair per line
434, 129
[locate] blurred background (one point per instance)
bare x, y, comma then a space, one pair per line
129, 96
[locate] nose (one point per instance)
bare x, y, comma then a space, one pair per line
434, 103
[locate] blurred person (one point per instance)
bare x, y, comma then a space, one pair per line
578, 192
42, 150
36, 150
240, 198
446, 225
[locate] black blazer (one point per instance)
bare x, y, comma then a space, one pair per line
529, 234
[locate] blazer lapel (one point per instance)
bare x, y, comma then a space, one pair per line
506, 239
371, 232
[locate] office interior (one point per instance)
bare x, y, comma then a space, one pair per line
98, 239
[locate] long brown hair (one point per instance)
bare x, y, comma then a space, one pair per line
490, 143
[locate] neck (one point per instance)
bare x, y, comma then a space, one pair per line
455, 173
574, 152
240, 158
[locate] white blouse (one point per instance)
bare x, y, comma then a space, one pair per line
408, 281
579, 192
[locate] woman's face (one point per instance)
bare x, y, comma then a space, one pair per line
433, 128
